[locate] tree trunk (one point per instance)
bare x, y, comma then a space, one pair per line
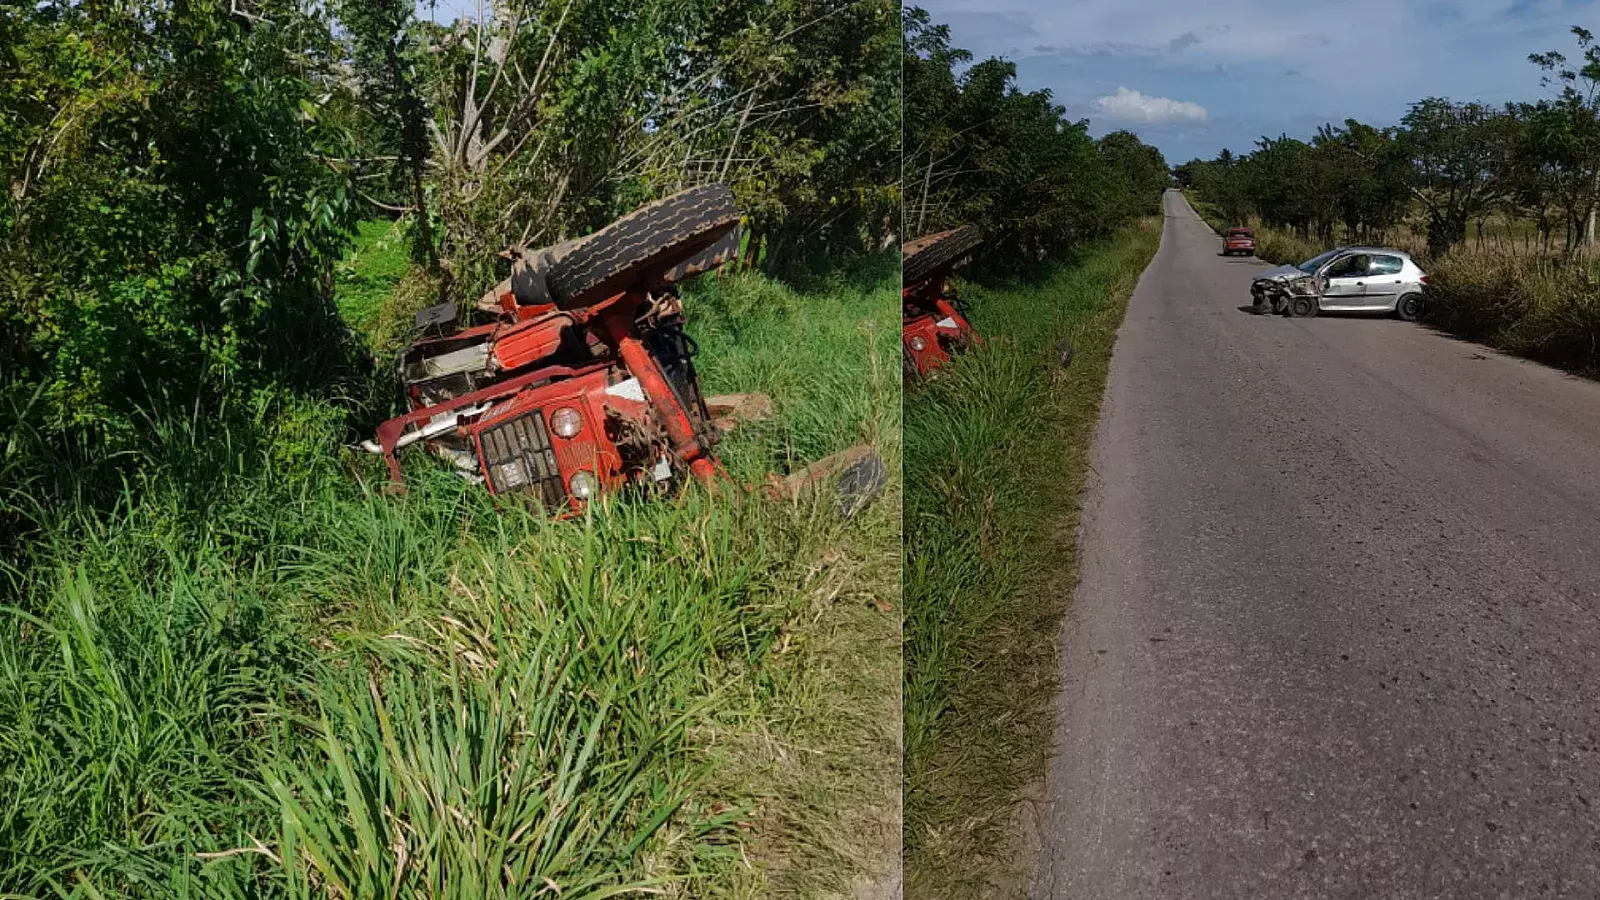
1594, 196
926, 179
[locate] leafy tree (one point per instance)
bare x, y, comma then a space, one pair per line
981, 151
386, 54
1453, 151
1370, 177
1565, 135
170, 230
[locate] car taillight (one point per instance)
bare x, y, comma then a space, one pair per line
1424, 279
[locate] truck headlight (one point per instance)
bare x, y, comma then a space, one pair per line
583, 485
566, 422
918, 344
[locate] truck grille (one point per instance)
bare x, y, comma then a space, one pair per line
517, 456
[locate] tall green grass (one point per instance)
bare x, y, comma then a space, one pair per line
255, 674
370, 271
997, 449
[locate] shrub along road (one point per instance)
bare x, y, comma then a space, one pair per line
1336, 631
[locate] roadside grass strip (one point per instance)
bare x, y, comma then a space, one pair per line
996, 455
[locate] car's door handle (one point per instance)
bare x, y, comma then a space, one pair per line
1361, 284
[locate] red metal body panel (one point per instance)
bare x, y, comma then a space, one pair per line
530, 341
592, 449
921, 339
612, 328
931, 326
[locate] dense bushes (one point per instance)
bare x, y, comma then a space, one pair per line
1525, 305
170, 233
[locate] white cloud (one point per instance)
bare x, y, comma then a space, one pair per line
1132, 106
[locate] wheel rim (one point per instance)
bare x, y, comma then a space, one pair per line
1410, 307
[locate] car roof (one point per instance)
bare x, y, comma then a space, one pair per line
1363, 249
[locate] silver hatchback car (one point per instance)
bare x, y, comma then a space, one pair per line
1345, 279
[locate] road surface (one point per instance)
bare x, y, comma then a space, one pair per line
1337, 632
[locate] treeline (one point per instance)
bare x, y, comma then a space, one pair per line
1451, 166
979, 150
181, 178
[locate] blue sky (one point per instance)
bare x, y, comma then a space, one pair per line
1194, 76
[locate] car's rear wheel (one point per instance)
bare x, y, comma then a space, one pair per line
1302, 307
1409, 308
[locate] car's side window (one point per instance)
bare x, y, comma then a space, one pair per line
1349, 267
1387, 265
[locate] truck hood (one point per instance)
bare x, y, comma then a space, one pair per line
1282, 273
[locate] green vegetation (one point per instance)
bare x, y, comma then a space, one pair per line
1497, 205
370, 272
1446, 167
231, 665
996, 443
997, 450
257, 675
980, 151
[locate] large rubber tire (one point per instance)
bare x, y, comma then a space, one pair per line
1302, 307
930, 253
1409, 309
651, 239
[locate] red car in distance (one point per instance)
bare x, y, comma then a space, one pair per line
1239, 240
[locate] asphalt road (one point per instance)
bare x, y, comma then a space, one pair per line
1337, 632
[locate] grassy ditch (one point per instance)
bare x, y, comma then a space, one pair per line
1527, 303
259, 676
997, 450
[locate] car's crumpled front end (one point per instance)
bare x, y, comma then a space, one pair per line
1277, 287
1281, 274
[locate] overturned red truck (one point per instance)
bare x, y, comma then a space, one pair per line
582, 380
933, 325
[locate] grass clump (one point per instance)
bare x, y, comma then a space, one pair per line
1541, 308
366, 278
997, 450
253, 674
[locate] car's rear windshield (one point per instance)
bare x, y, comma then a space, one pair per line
1315, 262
